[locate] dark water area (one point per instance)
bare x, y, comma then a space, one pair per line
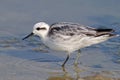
18, 17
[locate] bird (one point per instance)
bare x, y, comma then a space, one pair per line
69, 37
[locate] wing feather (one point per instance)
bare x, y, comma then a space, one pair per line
71, 29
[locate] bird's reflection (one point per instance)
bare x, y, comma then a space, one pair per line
66, 75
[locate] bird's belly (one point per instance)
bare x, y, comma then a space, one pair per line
63, 46
56, 46
72, 45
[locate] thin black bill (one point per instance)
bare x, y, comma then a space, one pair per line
27, 36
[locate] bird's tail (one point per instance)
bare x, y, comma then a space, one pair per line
108, 32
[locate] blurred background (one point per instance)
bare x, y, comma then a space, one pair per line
18, 17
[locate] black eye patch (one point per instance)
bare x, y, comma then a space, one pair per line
40, 28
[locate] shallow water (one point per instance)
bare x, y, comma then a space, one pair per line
30, 59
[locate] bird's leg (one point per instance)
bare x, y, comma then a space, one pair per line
77, 58
65, 60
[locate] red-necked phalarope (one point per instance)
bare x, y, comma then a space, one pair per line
69, 37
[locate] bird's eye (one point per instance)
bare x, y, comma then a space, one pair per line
38, 28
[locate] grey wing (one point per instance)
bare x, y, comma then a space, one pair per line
71, 29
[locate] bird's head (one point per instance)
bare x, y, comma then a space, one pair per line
40, 29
